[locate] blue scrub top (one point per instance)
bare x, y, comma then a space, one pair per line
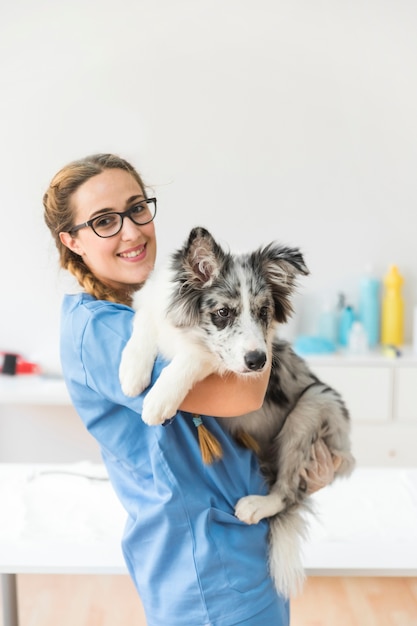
192, 561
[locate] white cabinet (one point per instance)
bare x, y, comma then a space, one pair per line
405, 408
367, 390
381, 396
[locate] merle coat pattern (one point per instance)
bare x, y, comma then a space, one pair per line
210, 311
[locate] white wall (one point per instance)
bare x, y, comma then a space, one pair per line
291, 120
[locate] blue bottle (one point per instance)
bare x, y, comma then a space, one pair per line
370, 308
347, 317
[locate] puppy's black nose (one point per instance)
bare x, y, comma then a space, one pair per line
255, 360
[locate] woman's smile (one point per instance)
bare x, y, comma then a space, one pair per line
133, 254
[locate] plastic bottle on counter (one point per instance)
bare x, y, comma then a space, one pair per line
369, 313
392, 318
347, 317
358, 339
328, 321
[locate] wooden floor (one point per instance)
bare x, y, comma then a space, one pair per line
46, 600
357, 602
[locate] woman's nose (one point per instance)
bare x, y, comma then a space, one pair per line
129, 229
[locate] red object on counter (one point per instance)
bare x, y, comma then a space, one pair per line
22, 365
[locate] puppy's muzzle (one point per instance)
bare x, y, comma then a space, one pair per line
255, 360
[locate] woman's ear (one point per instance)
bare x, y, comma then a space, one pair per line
72, 243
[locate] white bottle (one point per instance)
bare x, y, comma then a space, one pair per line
358, 339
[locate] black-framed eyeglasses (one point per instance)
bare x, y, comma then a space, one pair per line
109, 224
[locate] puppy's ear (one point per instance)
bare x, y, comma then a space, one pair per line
196, 266
202, 258
281, 266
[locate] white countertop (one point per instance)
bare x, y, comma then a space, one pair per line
54, 522
377, 357
33, 389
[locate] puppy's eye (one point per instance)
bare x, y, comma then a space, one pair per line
263, 313
223, 312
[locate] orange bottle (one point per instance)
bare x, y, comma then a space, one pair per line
392, 318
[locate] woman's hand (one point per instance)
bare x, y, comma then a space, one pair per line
321, 469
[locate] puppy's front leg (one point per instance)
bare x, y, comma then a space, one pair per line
173, 384
139, 355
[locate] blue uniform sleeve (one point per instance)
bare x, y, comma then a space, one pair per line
99, 332
93, 335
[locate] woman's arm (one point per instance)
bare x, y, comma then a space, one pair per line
227, 396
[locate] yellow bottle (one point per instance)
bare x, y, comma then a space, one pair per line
392, 318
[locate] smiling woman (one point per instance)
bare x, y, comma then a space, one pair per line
153, 469
179, 510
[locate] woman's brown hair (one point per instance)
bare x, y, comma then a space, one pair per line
58, 215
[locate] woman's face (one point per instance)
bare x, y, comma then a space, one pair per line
126, 259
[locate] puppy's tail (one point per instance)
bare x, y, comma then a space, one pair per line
287, 530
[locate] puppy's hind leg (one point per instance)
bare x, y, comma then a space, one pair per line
251, 509
318, 414
288, 456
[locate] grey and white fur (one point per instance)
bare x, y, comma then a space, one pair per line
209, 311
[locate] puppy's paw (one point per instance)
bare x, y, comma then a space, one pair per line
156, 410
134, 373
251, 509
132, 384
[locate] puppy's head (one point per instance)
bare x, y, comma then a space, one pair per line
203, 271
